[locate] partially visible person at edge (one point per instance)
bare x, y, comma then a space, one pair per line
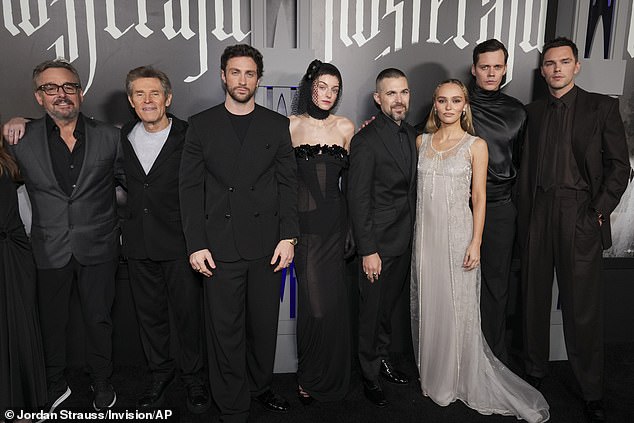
500, 120
575, 167
161, 279
23, 381
238, 194
71, 165
321, 140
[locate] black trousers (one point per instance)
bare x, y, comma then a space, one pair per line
242, 302
95, 285
158, 288
496, 255
376, 306
564, 235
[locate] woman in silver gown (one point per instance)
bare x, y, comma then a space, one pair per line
452, 356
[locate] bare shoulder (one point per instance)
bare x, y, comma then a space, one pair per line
479, 146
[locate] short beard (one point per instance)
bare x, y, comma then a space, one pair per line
240, 99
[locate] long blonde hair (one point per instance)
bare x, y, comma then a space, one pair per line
466, 120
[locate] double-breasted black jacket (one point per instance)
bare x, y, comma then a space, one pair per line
238, 199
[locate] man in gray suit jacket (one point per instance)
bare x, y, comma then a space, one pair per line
70, 165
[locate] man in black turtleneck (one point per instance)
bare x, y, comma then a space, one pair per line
499, 119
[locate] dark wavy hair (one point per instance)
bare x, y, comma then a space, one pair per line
242, 50
304, 93
489, 46
560, 42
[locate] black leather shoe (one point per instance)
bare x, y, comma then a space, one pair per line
534, 381
273, 402
154, 394
373, 392
389, 373
198, 400
594, 411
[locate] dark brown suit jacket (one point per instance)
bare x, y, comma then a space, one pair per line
600, 150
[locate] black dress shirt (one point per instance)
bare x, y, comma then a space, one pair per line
66, 163
401, 142
558, 166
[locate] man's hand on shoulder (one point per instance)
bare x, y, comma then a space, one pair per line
14, 130
284, 252
202, 262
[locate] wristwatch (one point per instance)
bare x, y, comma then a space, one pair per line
293, 241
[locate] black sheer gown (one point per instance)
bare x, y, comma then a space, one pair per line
22, 374
323, 338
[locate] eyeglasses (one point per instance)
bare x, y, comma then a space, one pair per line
53, 89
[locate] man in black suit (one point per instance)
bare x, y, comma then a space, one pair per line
70, 165
381, 200
161, 279
574, 170
238, 193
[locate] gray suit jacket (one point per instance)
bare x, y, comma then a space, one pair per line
84, 224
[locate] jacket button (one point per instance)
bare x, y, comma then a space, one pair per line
252, 188
267, 146
146, 211
146, 185
256, 214
227, 216
230, 189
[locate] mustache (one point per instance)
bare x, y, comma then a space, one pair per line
65, 100
399, 105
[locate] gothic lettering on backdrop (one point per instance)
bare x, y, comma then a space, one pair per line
358, 22
424, 24
19, 16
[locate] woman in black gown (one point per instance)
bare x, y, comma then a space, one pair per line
22, 374
321, 141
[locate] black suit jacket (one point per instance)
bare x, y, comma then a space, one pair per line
600, 150
84, 224
152, 228
238, 199
381, 193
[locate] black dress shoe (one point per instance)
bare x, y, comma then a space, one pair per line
594, 411
273, 402
534, 381
304, 397
373, 392
389, 373
154, 394
198, 400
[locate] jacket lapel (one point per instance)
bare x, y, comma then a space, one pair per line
386, 138
584, 125
42, 151
171, 144
91, 144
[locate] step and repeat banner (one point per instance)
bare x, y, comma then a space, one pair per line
430, 40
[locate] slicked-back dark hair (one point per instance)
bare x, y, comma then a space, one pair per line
242, 50
388, 73
560, 42
147, 72
50, 64
489, 46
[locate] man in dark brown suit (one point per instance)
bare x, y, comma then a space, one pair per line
574, 171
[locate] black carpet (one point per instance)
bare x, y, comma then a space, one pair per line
406, 402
